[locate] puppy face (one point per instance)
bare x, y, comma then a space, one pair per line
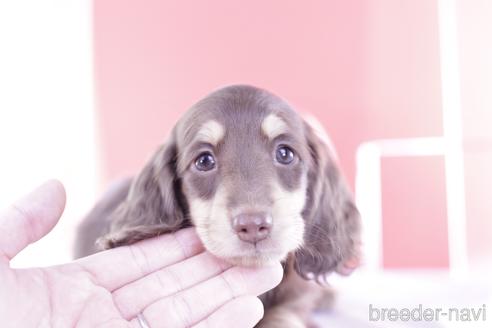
243, 164
254, 179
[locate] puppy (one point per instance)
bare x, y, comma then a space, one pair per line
259, 186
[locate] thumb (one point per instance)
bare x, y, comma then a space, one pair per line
30, 218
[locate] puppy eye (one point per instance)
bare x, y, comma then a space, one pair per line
284, 155
205, 162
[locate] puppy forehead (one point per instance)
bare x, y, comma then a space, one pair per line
238, 114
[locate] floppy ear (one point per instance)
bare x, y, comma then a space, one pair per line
155, 204
332, 233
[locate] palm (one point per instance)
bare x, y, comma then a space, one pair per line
88, 304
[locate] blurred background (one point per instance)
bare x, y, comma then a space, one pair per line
404, 88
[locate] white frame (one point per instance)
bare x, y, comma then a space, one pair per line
450, 145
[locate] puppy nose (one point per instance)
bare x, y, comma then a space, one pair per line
252, 228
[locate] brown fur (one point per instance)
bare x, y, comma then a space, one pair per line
159, 199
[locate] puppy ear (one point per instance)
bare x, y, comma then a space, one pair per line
154, 205
332, 233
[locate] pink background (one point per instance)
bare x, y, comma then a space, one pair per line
365, 69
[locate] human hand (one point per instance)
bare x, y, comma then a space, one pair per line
170, 281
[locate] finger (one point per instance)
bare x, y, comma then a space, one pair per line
31, 218
248, 308
117, 267
136, 296
196, 303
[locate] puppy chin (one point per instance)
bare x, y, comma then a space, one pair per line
240, 256
256, 260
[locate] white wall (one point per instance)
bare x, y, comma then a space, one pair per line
47, 123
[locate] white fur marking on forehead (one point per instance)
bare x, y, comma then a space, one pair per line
273, 126
211, 132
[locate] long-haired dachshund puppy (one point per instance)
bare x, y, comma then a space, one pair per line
258, 184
